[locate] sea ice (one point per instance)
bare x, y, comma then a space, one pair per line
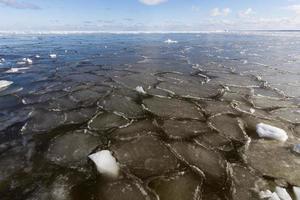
296, 148
203, 160
268, 131
145, 156
179, 129
53, 55
140, 90
182, 185
297, 192
172, 108
274, 196
262, 154
107, 122
282, 193
265, 194
27, 61
4, 84
106, 164
71, 149
124, 106
121, 190
16, 70
169, 41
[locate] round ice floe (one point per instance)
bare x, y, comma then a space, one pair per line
268, 131
106, 164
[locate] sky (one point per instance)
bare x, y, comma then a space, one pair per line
148, 15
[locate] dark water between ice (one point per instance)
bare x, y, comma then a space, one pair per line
191, 136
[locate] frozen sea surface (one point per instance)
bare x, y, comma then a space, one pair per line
179, 118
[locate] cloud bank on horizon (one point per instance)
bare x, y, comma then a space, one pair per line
19, 4
148, 15
152, 2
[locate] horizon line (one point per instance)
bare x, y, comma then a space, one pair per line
44, 32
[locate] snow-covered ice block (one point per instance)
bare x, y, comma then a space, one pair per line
296, 148
268, 131
53, 55
140, 89
296, 192
4, 84
169, 41
265, 194
282, 193
274, 196
106, 164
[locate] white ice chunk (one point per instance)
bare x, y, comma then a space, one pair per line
268, 131
265, 194
282, 193
274, 196
296, 148
169, 41
296, 192
26, 61
2, 60
106, 164
4, 84
140, 89
16, 70
37, 56
53, 55
29, 61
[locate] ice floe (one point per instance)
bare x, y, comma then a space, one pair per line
268, 131
106, 164
16, 70
296, 148
4, 84
282, 193
274, 196
265, 194
169, 41
140, 90
27, 61
53, 56
297, 192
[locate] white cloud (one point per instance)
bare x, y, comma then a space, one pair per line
152, 2
220, 12
295, 8
195, 8
247, 12
226, 11
18, 5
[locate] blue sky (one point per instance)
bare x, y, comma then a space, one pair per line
148, 15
